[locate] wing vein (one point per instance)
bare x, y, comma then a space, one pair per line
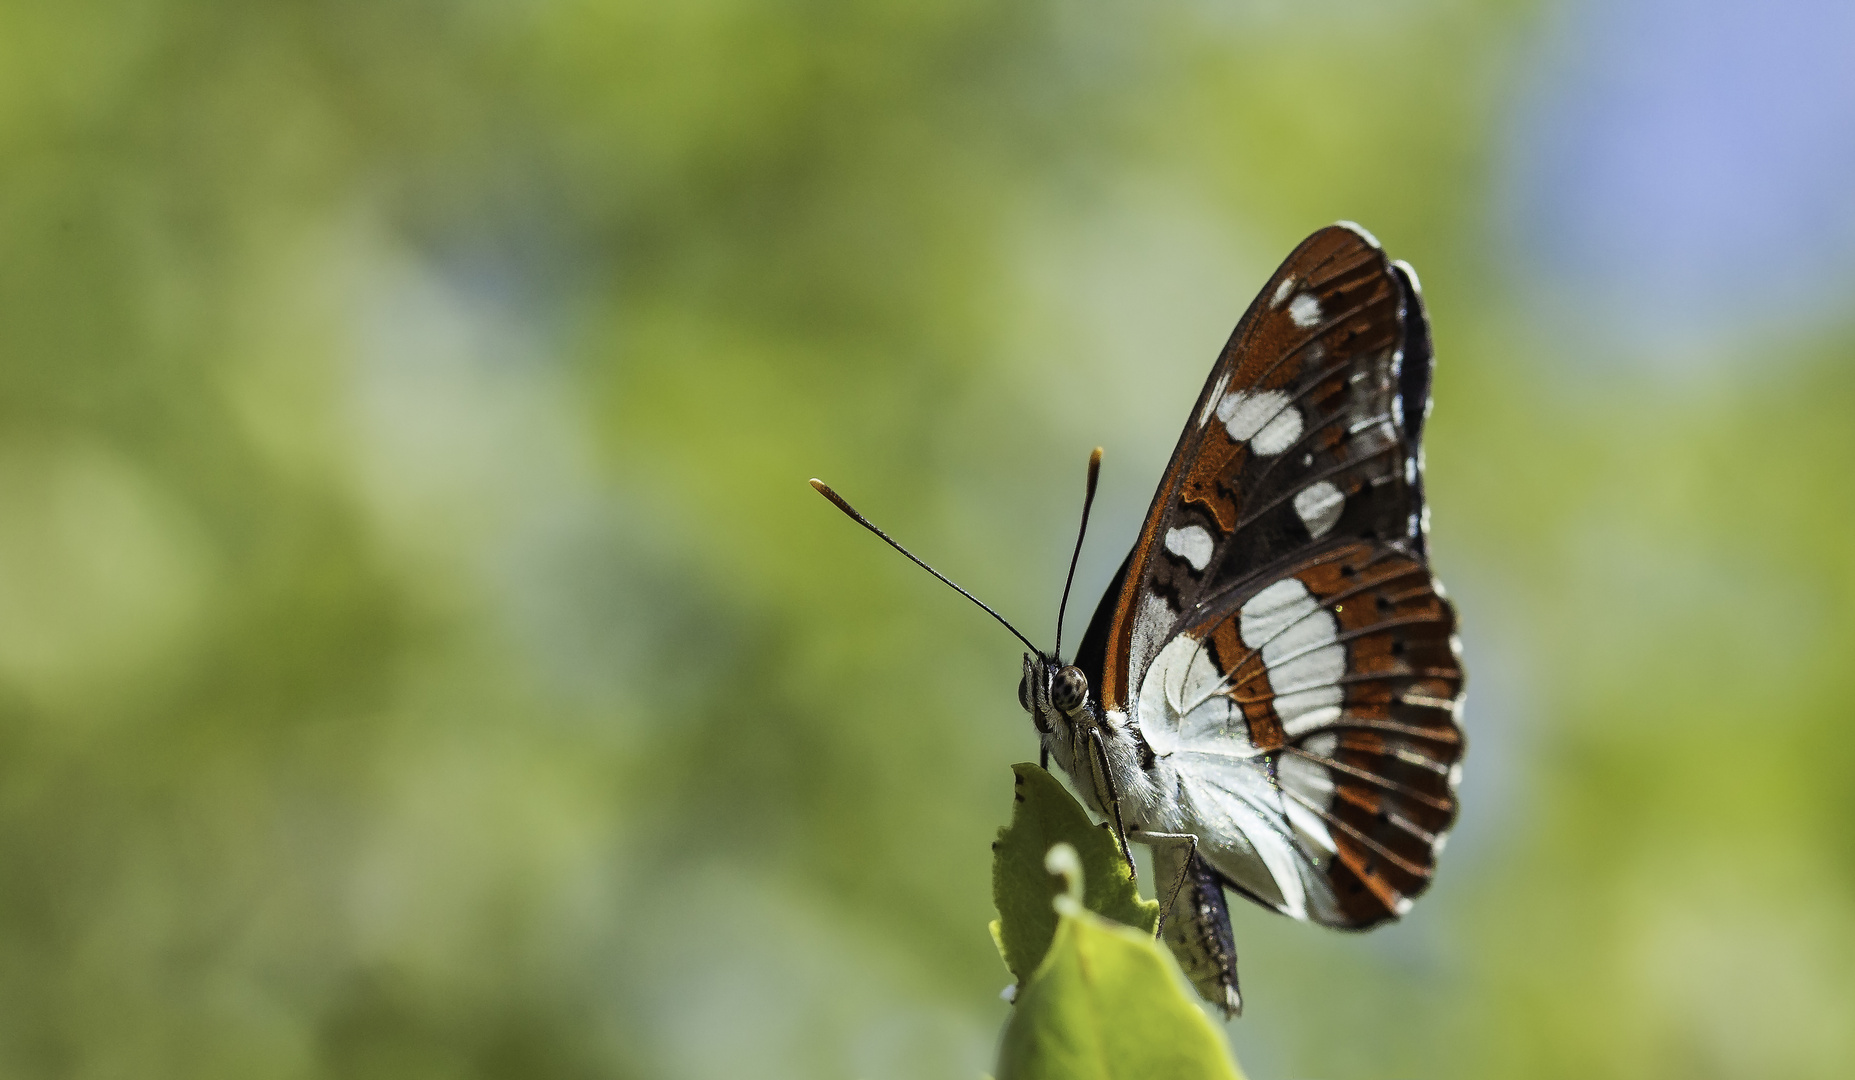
1379, 849
1372, 778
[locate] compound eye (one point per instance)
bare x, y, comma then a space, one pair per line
1024, 692
1070, 691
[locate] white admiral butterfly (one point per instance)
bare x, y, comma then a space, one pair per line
1269, 692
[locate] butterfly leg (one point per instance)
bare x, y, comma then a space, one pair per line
1196, 925
1171, 842
1113, 801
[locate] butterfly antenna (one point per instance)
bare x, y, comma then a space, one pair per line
850, 510
1088, 501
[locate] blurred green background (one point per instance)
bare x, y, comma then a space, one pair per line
420, 655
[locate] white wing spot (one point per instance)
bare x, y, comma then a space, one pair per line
1217, 395
1319, 505
1281, 291
1264, 419
1322, 745
1309, 778
1299, 642
1151, 622
1303, 778
1192, 543
1304, 310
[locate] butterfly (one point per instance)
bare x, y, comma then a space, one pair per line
1269, 694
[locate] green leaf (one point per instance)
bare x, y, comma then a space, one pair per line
1107, 1003
1045, 814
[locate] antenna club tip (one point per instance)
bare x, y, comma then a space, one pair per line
1095, 458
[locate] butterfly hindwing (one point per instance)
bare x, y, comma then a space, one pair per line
1341, 672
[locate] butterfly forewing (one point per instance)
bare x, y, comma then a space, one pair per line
1296, 438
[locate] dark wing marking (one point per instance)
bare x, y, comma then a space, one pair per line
1415, 367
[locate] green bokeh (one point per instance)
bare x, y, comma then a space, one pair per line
421, 655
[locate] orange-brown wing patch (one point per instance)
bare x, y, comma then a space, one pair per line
1248, 676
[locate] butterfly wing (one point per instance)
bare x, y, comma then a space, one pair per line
1275, 634
1310, 723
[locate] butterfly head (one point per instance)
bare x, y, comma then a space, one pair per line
1055, 694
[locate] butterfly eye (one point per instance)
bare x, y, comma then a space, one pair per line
1024, 693
1070, 691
